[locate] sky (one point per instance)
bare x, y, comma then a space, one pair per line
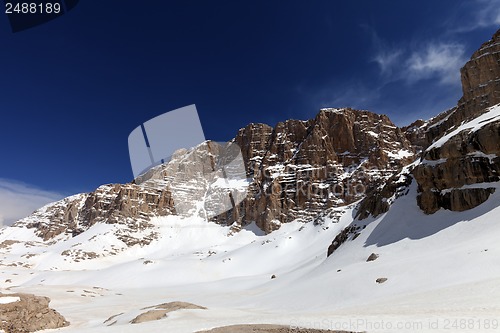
72, 90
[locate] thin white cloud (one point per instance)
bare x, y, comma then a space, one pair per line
412, 61
18, 200
387, 57
483, 13
387, 60
436, 60
407, 62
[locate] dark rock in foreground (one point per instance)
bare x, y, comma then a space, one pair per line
256, 328
31, 313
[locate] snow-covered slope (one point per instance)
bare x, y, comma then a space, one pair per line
431, 273
441, 267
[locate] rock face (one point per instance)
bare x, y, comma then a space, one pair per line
129, 205
416, 134
465, 159
300, 168
29, 314
481, 78
378, 200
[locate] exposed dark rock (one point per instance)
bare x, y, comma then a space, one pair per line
465, 159
416, 134
263, 328
455, 200
378, 199
348, 233
160, 311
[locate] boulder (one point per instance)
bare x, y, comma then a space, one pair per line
28, 313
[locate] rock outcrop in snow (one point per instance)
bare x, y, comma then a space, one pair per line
455, 170
28, 313
128, 205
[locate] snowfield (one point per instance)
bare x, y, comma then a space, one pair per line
442, 271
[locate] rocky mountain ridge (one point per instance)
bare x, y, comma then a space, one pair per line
298, 169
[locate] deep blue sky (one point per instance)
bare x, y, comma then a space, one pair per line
72, 90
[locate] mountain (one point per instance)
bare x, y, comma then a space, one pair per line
296, 169
349, 223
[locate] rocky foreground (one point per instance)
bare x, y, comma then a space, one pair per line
266, 329
22, 313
